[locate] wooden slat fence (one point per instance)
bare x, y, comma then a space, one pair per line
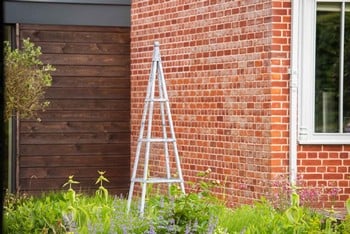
87, 125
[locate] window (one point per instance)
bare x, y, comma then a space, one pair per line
324, 116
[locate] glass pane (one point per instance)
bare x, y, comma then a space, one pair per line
346, 87
327, 67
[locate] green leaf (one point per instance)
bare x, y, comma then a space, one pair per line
347, 204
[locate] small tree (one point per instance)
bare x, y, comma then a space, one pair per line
26, 80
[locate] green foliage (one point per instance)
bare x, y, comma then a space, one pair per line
347, 205
262, 217
70, 212
345, 224
297, 219
102, 191
34, 215
248, 218
177, 214
26, 80
194, 212
197, 212
70, 195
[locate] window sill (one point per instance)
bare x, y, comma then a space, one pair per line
325, 139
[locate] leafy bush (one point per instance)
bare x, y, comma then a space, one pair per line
26, 80
34, 215
194, 212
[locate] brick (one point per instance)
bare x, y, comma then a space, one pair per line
332, 162
343, 169
312, 177
337, 148
312, 162
332, 176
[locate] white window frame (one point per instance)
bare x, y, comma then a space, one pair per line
306, 79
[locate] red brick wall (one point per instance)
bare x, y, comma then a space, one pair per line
326, 167
226, 67
217, 62
280, 62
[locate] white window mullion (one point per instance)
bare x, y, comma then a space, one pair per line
341, 67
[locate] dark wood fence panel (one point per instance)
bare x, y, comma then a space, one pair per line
86, 127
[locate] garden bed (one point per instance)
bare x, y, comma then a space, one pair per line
196, 212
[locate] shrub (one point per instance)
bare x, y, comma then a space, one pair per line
24, 214
26, 80
194, 212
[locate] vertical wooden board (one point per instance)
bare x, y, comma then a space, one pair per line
89, 116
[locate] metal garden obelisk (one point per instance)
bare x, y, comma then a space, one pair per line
145, 140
